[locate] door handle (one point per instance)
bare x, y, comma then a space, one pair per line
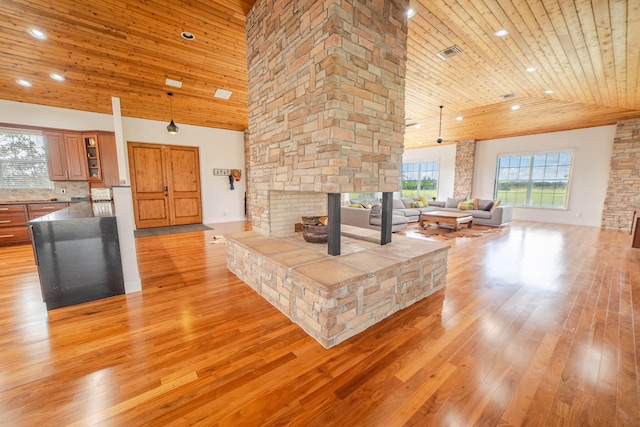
166, 188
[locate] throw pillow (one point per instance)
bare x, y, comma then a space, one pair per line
397, 204
424, 202
452, 203
496, 203
467, 205
356, 205
407, 203
417, 204
376, 211
488, 207
483, 203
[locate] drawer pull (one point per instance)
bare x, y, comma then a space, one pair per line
48, 207
5, 236
5, 221
4, 209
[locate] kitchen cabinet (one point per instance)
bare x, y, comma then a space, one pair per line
86, 156
66, 156
14, 218
108, 159
36, 210
92, 156
102, 160
13, 224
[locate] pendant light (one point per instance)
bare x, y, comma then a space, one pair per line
171, 128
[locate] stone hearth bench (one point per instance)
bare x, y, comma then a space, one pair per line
334, 298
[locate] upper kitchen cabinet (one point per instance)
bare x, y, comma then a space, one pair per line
82, 156
66, 156
108, 159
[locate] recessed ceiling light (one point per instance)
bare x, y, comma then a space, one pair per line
34, 32
531, 69
174, 83
459, 118
548, 91
187, 35
57, 77
410, 13
501, 33
222, 94
24, 83
515, 107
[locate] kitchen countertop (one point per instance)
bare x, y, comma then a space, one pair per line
8, 201
80, 210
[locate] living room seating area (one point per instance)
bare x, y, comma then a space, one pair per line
484, 211
366, 213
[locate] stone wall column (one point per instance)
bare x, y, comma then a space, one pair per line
623, 191
326, 98
465, 168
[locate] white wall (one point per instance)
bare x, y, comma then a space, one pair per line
446, 156
20, 113
218, 148
592, 149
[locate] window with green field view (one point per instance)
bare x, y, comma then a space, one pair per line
23, 160
419, 180
540, 180
364, 196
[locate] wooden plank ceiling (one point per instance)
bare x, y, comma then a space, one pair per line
586, 52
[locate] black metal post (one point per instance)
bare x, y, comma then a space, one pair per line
333, 239
387, 213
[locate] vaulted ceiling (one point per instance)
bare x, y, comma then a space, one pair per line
586, 52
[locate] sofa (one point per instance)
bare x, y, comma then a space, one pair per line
485, 214
370, 218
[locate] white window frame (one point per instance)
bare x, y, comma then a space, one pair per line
531, 181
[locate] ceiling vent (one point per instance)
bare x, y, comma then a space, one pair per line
449, 52
507, 96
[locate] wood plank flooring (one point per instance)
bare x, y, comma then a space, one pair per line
536, 327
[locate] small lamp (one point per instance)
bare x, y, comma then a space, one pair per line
171, 128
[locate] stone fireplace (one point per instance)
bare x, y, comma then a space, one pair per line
326, 117
286, 208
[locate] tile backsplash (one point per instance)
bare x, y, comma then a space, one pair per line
71, 189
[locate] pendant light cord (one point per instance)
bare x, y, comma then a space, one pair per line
170, 104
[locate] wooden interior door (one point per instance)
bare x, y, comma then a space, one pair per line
183, 176
165, 184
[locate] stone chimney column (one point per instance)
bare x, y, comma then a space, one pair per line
326, 98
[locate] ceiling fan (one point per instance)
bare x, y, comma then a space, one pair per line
441, 139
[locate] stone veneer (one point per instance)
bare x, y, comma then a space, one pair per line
326, 98
465, 168
335, 298
623, 191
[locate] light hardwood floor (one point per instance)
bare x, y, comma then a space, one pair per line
535, 327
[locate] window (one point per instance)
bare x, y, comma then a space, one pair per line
419, 180
23, 162
363, 196
540, 180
